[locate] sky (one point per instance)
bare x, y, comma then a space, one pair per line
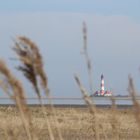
56, 27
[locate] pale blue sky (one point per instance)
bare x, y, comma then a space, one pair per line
56, 26
119, 7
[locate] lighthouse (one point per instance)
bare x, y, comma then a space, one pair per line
102, 90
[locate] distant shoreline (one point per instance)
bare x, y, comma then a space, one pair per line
71, 106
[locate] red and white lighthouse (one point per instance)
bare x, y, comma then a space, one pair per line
102, 90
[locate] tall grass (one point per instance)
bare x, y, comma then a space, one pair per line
13, 87
32, 67
132, 92
91, 107
115, 124
59, 124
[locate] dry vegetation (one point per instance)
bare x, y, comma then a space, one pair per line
75, 124
49, 123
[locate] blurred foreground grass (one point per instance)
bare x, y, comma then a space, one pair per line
75, 124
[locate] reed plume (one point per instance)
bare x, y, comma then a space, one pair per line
36, 58
32, 67
31, 61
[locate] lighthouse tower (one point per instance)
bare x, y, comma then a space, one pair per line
102, 91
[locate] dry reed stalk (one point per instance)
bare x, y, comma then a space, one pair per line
92, 108
16, 93
114, 121
132, 92
88, 61
32, 67
103, 132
